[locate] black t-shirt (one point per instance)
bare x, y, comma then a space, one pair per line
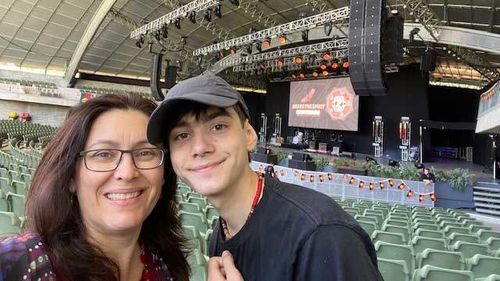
299, 234
430, 176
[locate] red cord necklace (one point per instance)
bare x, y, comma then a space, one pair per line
255, 201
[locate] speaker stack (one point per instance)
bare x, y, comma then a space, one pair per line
365, 58
155, 78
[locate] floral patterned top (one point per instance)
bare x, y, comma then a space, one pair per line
24, 257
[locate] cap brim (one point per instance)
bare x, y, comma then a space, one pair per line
162, 114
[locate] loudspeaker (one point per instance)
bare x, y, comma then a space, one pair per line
392, 39
365, 64
428, 62
155, 78
170, 76
300, 156
301, 165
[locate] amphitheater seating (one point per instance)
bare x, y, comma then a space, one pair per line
393, 270
483, 266
444, 259
433, 273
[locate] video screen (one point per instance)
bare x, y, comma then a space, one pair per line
324, 104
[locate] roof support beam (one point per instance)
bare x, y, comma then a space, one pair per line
89, 33
492, 14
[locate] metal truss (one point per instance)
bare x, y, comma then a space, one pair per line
310, 61
308, 49
122, 19
421, 11
197, 5
475, 61
254, 12
297, 25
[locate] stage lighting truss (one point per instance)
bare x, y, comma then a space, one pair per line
196, 6
288, 63
290, 52
297, 25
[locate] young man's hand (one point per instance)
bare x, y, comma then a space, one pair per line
223, 268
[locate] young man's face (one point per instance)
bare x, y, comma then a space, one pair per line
210, 153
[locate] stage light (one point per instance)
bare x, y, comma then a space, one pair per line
218, 11
326, 56
232, 50
298, 60
235, 2
208, 15
293, 76
177, 23
335, 65
311, 59
266, 43
352, 180
433, 197
192, 16
327, 28
220, 54
303, 177
391, 182
345, 65
302, 75
280, 62
311, 178
282, 39
157, 35
323, 66
164, 31
325, 73
248, 48
330, 176
409, 194
305, 36
421, 198
321, 178
258, 46
140, 41
381, 185
315, 74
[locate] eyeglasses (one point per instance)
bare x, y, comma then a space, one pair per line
105, 160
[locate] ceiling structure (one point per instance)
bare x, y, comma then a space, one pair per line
67, 36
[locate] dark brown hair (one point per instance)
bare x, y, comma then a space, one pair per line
55, 216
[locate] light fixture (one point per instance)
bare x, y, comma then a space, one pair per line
248, 48
164, 31
258, 46
208, 15
326, 56
302, 75
266, 43
327, 28
280, 62
218, 10
323, 65
192, 16
315, 74
177, 23
140, 41
232, 50
305, 36
282, 39
325, 73
157, 35
235, 2
298, 60
345, 64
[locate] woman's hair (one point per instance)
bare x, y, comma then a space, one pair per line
53, 212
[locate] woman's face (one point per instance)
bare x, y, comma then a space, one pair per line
117, 202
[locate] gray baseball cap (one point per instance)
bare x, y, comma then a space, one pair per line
206, 89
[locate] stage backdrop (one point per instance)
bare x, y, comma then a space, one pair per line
323, 104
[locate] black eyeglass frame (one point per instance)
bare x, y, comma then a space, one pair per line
83, 153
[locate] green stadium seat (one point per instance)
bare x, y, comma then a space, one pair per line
195, 240
444, 259
493, 243
421, 243
389, 237
427, 226
485, 234
429, 233
396, 252
189, 207
493, 277
454, 237
433, 273
450, 229
196, 258
202, 202
10, 224
483, 266
17, 202
198, 273
469, 249
369, 227
19, 187
475, 228
397, 222
397, 229
195, 219
393, 270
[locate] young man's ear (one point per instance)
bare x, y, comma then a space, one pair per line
251, 136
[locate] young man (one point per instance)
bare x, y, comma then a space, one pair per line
274, 230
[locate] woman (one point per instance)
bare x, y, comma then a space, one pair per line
101, 205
